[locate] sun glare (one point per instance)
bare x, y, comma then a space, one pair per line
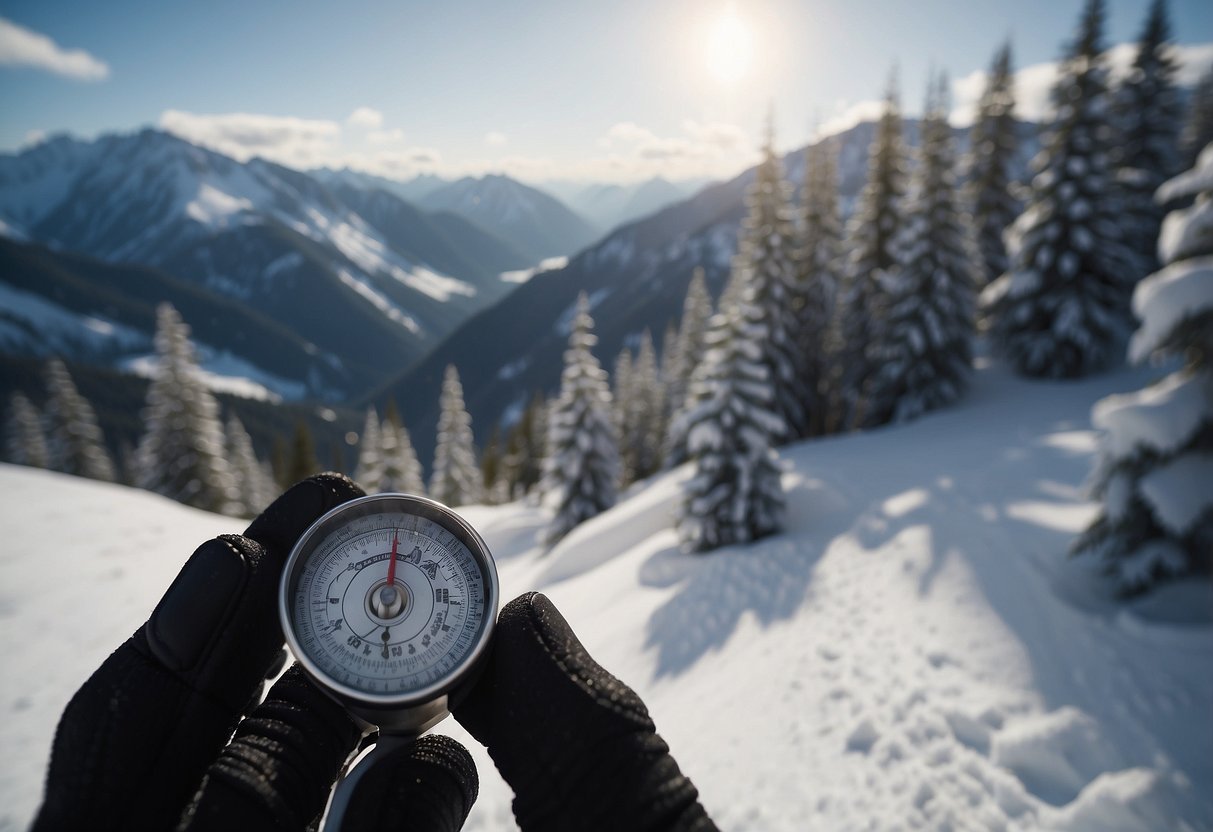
728, 47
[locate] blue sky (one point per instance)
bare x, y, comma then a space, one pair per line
595, 91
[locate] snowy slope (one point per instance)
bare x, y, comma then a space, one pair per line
915, 651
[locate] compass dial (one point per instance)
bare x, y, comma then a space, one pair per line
389, 599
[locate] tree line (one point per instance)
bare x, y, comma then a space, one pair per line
823, 326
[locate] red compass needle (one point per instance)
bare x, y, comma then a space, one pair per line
391, 564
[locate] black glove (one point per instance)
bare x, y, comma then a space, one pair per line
576, 745
152, 725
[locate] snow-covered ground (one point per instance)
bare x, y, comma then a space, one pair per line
915, 652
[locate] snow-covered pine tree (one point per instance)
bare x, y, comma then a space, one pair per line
400, 469
181, 454
924, 361
369, 471
643, 435
872, 239
254, 491
669, 346
993, 143
582, 469
622, 403
1062, 310
735, 494
455, 479
818, 270
1148, 120
74, 442
1198, 123
1155, 461
24, 440
693, 326
767, 252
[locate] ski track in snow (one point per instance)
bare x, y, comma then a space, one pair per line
916, 651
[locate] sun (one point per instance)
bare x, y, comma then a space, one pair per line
728, 47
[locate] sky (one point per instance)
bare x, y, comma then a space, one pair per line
542, 89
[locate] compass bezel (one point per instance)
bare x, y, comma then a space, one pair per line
379, 707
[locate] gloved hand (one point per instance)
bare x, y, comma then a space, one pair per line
152, 725
576, 745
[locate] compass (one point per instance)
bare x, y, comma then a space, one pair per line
388, 603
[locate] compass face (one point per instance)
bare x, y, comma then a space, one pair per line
389, 599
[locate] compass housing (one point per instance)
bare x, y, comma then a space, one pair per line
414, 710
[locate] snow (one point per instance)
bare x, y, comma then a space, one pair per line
214, 208
1191, 182
437, 286
1164, 299
1187, 232
377, 299
1162, 417
1181, 491
915, 651
223, 372
32, 325
548, 264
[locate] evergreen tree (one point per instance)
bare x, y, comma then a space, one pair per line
692, 328
491, 469
642, 431
254, 491
1148, 118
767, 253
925, 361
817, 289
993, 143
369, 471
400, 470
735, 494
74, 441
455, 480
1198, 125
1063, 308
181, 454
621, 400
24, 440
302, 462
872, 240
522, 465
583, 453
669, 346
1155, 463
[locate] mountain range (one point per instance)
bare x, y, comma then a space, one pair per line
635, 278
536, 223
330, 286
366, 281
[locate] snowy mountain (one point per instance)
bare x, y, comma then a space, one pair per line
411, 190
87, 310
915, 650
610, 206
537, 224
373, 293
635, 277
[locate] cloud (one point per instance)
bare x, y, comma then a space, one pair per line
296, 142
727, 137
366, 118
1033, 83
393, 136
846, 115
21, 47
494, 138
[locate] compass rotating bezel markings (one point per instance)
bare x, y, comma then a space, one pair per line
324, 537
